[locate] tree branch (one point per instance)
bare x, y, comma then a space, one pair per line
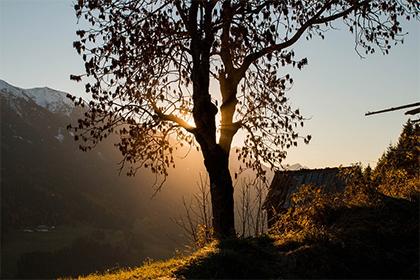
312, 21
173, 118
225, 53
182, 15
342, 14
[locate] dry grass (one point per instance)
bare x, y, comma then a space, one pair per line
163, 270
357, 237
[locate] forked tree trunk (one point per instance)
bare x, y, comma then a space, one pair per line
216, 157
221, 190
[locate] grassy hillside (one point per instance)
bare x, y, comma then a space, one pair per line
357, 239
369, 231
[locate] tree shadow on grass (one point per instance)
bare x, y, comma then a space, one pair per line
247, 258
358, 242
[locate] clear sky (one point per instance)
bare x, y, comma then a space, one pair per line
334, 90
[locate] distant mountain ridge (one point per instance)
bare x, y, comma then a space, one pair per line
53, 100
296, 166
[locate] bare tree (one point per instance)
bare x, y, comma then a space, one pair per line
196, 223
252, 217
149, 64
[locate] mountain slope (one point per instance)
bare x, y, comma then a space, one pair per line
39, 160
53, 100
47, 180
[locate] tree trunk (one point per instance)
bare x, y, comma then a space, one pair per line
221, 190
216, 156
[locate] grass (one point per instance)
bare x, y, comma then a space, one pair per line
155, 269
355, 239
243, 258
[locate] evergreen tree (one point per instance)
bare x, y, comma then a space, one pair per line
398, 170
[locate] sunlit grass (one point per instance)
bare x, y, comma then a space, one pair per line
326, 239
152, 270
156, 269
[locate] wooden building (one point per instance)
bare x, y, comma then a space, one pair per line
285, 183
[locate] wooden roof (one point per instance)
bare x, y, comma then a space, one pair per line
285, 183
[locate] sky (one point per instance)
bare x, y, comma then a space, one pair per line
333, 91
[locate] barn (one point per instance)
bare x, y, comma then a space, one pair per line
287, 182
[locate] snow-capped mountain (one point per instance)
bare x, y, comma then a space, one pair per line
53, 100
44, 112
296, 166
